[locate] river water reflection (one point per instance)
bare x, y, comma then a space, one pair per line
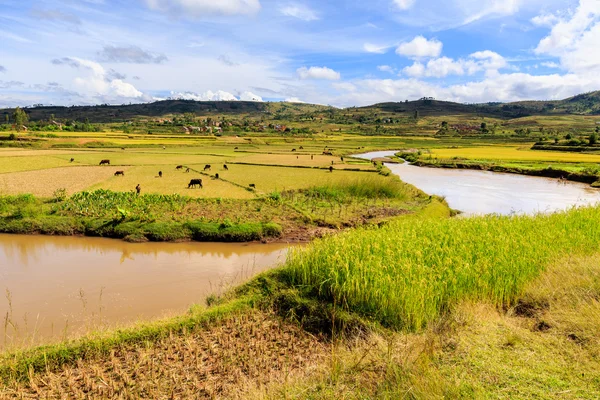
53, 285
484, 192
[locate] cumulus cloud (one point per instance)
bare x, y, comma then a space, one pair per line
486, 61
386, 68
500, 87
550, 64
375, 48
318, 73
574, 39
98, 82
420, 47
293, 100
130, 54
299, 11
544, 20
404, 4
200, 8
219, 95
249, 96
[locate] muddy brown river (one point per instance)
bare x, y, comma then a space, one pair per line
483, 192
56, 287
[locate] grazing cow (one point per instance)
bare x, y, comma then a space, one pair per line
293, 149
225, 167
327, 153
138, 189
187, 170
179, 167
105, 162
216, 176
301, 148
252, 185
123, 148
194, 183
122, 173
330, 168
236, 148
72, 159
207, 166
160, 174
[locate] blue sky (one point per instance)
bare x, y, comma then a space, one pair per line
341, 53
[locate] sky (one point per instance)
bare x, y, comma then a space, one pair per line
339, 53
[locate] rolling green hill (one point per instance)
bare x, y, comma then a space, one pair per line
583, 104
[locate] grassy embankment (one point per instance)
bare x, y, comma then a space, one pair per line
422, 307
511, 159
293, 215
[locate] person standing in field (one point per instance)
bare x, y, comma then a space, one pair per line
138, 189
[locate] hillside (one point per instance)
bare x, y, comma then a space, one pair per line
583, 104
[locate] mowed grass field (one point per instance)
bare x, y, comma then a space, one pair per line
172, 182
521, 153
42, 172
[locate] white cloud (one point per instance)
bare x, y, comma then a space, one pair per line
200, 8
299, 11
318, 73
98, 82
550, 64
293, 100
420, 47
574, 39
487, 61
386, 68
544, 20
486, 8
209, 95
375, 48
249, 96
404, 4
415, 70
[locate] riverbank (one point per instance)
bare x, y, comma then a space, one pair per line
294, 215
517, 292
546, 172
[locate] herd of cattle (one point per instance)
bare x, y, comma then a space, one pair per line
197, 182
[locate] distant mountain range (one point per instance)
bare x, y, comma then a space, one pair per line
583, 104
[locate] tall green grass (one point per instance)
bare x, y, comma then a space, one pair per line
407, 273
371, 187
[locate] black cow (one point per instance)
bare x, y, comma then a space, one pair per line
235, 148
216, 176
252, 185
105, 162
293, 149
226, 167
330, 168
194, 183
72, 159
187, 170
160, 174
207, 166
122, 173
301, 148
179, 167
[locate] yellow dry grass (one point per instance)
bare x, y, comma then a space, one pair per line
270, 179
514, 153
173, 181
30, 163
303, 160
44, 182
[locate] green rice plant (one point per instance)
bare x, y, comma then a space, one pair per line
407, 273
